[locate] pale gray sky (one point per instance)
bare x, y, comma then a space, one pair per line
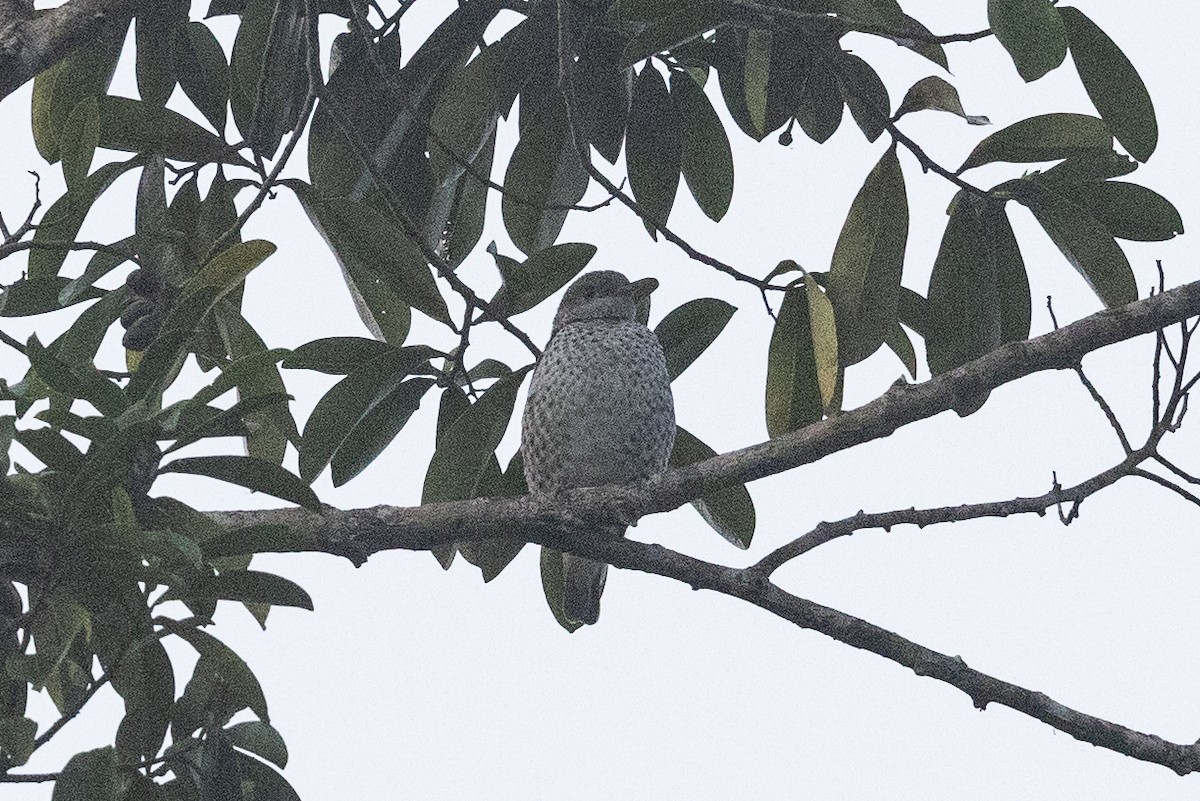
410, 682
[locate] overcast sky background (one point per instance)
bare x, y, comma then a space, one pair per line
411, 682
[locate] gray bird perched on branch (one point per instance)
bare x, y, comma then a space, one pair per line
599, 412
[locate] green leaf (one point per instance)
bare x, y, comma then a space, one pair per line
376, 107
25, 297
465, 445
247, 586
729, 511
268, 80
653, 146
688, 330
527, 284
336, 355
462, 139
793, 397
728, 56
367, 245
493, 555
77, 346
229, 268
1046, 137
978, 291
232, 422
377, 429
756, 76
57, 90
936, 94
603, 89
89, 776
1089, 167
240, 371
62, 220
1086, 243
150, 215
899, 342
823, 326
162, 359
270, 425
257, 475
821, 105
259, 738
142, 127
552, 587
221, 681
154, 33
146, 682
100, 265
1128, 211
81, 134
94, 428
16, 739
85, 383
218, 214
930, 50
1112, 83
1032, 32
263, 781
349, 401
865, 95
51, 449
705, 157
464, 120
544, 173
8, 431
864, 276
203, 72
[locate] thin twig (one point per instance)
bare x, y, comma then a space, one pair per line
12, 343
828, 531
1105, 407
1188, 477
10, 248
67, 717
928, 164
17, 778
1157, 479
768, 11
28, 225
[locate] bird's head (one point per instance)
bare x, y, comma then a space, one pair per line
602, 295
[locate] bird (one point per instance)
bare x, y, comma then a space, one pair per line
599, 411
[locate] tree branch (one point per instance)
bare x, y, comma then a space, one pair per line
828, 531
362, 531
567, 522
10, 248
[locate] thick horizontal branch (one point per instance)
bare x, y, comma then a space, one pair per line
31, 41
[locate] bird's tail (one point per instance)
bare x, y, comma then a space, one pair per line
583, 583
